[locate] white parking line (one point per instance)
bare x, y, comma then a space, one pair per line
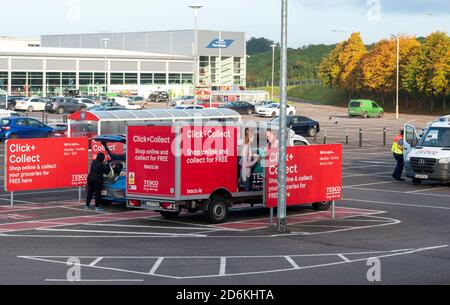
390, 191
399, 204
121, 232
150, 227
156, 265
367, 184
432, 189
365, 175
223, 266
292, 262
95, 262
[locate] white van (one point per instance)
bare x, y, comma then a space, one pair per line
428, 157
122, 101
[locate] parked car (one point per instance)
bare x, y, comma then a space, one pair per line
12, 100
106, 108
8, 114
87, 101
183, 100
60, 130
159, 97
23, 128
365, 109
63, 105
31, 104
121, 101
136, 99
188, 107
273, 110
301, 125
262, 104
241, 107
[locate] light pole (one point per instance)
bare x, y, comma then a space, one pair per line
273, 67
105, 43
282, 161
196, 8
397, 106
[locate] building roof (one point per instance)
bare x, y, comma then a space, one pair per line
155, 115
86, 53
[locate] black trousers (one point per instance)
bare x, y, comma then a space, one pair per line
94, 187
399, 168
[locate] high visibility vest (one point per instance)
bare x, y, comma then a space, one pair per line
396, 147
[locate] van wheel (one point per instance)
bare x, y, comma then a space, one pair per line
145, 106
61, 110
169, 215
218, 209
30, 109
381, 115
321, 206
365, 115
11, 107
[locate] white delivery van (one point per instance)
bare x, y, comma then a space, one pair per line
428, 157
122, 101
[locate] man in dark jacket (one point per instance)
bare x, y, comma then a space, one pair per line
95, 181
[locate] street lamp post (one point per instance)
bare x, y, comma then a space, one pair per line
397, 106
273, 67
105, 43
282, 161
196, 8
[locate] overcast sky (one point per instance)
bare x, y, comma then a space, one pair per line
310, 21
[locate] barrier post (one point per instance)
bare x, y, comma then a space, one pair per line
271, 217
384, 137
360, 138
12, 200
346, 136
325, 137
79, 194
333, 210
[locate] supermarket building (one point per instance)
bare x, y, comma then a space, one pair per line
133, 63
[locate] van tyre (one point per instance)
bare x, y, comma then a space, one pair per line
30, 109
322, 206
365, 115
381, 115
170, 215
218, 209
60, 110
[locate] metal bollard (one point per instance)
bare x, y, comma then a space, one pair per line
346, 136
360, 138
325, 137
384, 137
315, 134
46, 119
65, 119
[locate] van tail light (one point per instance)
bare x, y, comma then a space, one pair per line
134, 203
167, 206
6, 128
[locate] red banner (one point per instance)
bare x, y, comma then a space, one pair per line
150, 161
209, 160
115, 148
314, 174
37, 164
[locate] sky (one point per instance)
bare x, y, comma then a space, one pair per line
310, 21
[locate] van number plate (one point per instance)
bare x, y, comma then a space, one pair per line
150, 204
422, 177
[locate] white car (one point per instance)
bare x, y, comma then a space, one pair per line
86, 101
273, 110
184, 100
8, 114
31, 104
124, 102
188, 107
263, 104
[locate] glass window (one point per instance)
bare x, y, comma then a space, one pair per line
22, 122
86, 79
187, 79
131, 79
174, 79
146, 78
160, 78
116, 78
99, 78
34, 123
4, 80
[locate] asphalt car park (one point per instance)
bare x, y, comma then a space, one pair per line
403, 225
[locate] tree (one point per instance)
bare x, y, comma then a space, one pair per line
379, 66
259, 45
349, 58
428, 72
330, 68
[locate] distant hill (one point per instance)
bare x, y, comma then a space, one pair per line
303, 64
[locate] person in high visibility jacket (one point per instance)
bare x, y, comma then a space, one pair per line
397, 150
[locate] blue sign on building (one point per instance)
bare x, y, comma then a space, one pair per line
220, 44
